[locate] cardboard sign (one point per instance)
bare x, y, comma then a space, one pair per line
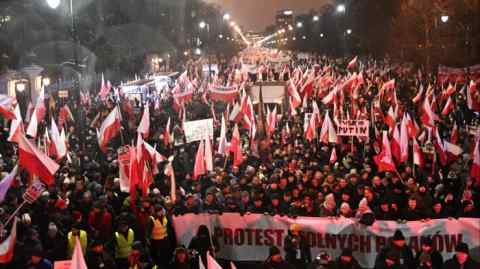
34, 191
197, 130
359, 128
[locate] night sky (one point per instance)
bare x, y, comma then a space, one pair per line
255, 15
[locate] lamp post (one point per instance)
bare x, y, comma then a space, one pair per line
206, 26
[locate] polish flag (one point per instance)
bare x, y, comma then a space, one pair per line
384, 159
450, 90
403, 141
208, 154
352, 63
471, 102
295, 97
104, 89
166, 133
388, 85
236, 147
58, 142
37, 116
390, 118
333, 156
271, 120
419, 95
35, 161
7, 247
78, 262
6, 107
222, 144
199, 168
453, 149
109, 129
144, 126
475, 169
412, 127
428, 117
16, 126
395, 144
417, 154
440, 148
448, 107
330, 97
307, 87
328, 133
211, 262
310, 129
454, 134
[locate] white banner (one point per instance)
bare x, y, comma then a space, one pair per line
248, 237
357, 128
197, 130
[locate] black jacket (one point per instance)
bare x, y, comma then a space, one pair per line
406, 255
435, 256
99, 261
453, 264
291, 244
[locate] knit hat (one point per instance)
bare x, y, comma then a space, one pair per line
462, 247
398, 236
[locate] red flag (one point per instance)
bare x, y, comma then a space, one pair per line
144, 126
333, 156
104, 89
412, 127
166, 133
199, 168
390, 118
388, 85
417, 154
307, 87
475, 169
35, 161
328, 133
134, 175
440, 148
7, 247
384, 160
428, 118
454, 134
295, 97
64, 115
352, 63
310, 129
403, 141
450, 90
109, 129
236, 147
6, 107
419, 95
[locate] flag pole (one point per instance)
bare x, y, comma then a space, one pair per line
14, 213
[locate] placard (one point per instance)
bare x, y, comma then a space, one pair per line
359, 128
197, 130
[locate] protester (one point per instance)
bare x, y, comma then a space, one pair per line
427, 257
461, 259
398, 252
98, 258
275, 260
346, 260
297, 251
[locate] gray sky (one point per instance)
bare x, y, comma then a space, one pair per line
257, 14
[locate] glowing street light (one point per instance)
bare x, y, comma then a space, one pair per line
226, 16
46, 81
444, 18
287, 12
341, 8
202, 24
20, 87
299, 24
198, 51
232, 24
220, 36
322, 35
349, 31
185, 53
53, 3
316, 18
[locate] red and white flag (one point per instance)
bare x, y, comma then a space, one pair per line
333, 156
475, 169
104, 88
222, 144
295, 100
37, 116
7, 247
395, 144
389, 85
64, 115
35, 161
448, 107
419, 95
208, 154
166, 133
236, 147
6, 107
417, 154
328, 133
440, 148
199, 168
109, 129
428, 117
310, 128
403, 141
59, 143
78, 262
212, 263
16, 126
454, 134
384, 160
390, 118
352, 63
144, 126
453, 149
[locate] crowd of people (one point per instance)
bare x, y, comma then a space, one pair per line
285, 174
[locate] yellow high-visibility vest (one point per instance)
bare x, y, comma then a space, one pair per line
71, 242
159, 230
124, 245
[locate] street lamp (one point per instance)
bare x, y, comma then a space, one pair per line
185, 53
299, 24
198, 51
226, 17
20, 87
322, 35
444, 18
202, 24
341, 8
46, 81
220, 36
349, 31
316, 18
53, 3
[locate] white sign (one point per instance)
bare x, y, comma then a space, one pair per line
249, 237
197, 130
357, 128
